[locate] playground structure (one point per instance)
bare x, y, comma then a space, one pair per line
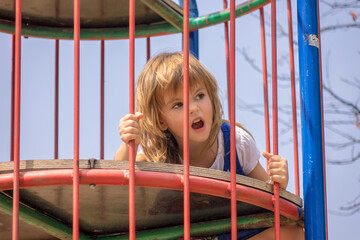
28, 193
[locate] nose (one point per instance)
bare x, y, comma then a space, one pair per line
193, 108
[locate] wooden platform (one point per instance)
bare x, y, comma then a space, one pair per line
99, 19
104, 208
94, 13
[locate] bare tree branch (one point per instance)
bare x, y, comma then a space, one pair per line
355, 108
280, 31
342, 145
355, 83
344, 161
341, 5
253, 65
244, 106
340, 26
349, 208
335, 122
340, 132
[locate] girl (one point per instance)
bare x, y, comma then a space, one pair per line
157, 128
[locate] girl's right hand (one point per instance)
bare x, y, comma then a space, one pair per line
129, 128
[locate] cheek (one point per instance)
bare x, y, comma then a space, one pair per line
210, 107
174, 116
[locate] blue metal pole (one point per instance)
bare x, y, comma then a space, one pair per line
311, 124
194, 35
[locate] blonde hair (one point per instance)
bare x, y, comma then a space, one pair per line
162, 73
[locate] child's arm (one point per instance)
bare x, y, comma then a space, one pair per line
259, 173
129, 130
278, 170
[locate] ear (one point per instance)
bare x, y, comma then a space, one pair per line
163, 125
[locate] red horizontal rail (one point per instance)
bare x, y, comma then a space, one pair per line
173, 181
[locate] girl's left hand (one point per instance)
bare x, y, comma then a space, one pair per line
278, 169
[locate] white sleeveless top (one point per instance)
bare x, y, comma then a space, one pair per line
246, 149
248, 153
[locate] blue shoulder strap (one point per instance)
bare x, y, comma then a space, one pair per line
225, 127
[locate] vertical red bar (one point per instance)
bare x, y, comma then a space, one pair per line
147, 48
293, 99
265, 84
132, 226
226, 30
76, 119
56, 102
102, 96
186, 176
16, 195
322, 121
12, 97
232, 123
274, 76
56, 92
275, 115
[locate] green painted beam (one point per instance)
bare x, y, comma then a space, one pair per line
141, 30
170, 15
222, 16
88, 33
206, 228
38, 220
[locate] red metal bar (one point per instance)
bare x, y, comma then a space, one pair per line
16, 195
148, 48
12, 97
76, 119
275, 114
56, 91
232, 123
102, 108
41, 178
265, 84
293, 98
102, 97
186, 176
132, 223
322, 122
56, 102
226, 30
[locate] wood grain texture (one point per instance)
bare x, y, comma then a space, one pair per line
28, 165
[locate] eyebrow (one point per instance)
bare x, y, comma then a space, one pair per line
200, 89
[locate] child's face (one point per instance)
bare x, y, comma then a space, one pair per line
200, 114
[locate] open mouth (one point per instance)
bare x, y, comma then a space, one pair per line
197, 124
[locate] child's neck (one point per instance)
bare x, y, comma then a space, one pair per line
200, 157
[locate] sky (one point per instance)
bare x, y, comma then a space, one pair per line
341, 53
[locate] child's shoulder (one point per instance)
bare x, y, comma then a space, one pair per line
242, 134
241, 130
